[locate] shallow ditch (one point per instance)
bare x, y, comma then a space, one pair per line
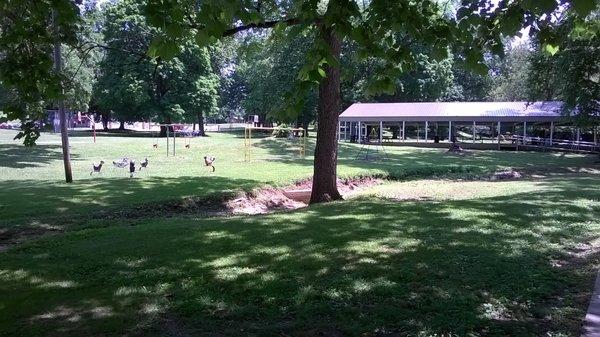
259, 201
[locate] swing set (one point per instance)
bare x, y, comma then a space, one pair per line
172, 130
298, 135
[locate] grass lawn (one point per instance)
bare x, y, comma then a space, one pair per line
415, 257
32, 188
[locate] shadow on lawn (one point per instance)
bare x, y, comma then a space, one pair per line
501, 266
19, 156
84, 196
401, 163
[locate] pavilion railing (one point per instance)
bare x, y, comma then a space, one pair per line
547, 143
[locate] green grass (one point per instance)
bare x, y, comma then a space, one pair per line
469, 258
513, 265
32, 188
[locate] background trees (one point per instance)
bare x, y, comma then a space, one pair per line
136, 87
293, 61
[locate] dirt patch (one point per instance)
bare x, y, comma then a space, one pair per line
267, 200
262, 201
13, 236
207, 207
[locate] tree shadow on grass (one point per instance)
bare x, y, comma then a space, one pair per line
44, 200
19, 156
403, 162
499, 266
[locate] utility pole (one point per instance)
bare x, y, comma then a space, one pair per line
64, 136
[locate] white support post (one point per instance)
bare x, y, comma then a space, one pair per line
499, 127
474, 132
399, 131
345, 131
551, 133
426, 131
359, 132
167, 140
449, 131
403, 129
380, 132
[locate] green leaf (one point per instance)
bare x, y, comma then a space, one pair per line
551, 49
584, 7
164, 48
321, 72
203, 39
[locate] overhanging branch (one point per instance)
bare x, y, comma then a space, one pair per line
261, 25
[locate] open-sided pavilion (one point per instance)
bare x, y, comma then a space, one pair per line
491, 123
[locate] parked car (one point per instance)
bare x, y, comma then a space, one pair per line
10, 125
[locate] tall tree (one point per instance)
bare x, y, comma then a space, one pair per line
375, 26
510, 75
571, 71
269, 66
372, 25
137, 87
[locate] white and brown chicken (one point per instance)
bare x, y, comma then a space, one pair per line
97, 168
209, 161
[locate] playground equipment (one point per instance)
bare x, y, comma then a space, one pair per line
171, 133
297, 134
187, 136
371, 150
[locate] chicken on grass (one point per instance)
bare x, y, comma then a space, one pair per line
121, 163
144, 164
131, 168
97, 168
209, 160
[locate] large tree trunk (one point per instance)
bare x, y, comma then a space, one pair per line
305, 121
64, 135
122, 125
201, 124
324, 186
105, 118
163, 128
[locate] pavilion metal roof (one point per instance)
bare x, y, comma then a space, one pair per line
454, 111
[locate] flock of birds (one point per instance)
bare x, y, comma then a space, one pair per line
121, 164
126, 162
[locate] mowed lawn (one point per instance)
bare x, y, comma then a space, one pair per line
32, 188
423, 256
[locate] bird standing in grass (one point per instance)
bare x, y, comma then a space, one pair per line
144, 164
208, 161
131, 168
121, 163
97, 168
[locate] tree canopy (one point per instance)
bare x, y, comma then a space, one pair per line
137, 87
322, 54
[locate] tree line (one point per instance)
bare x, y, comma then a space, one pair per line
112, 76
292, 61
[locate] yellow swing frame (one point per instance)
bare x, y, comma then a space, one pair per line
248, 139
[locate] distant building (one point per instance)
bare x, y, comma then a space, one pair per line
491, 123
